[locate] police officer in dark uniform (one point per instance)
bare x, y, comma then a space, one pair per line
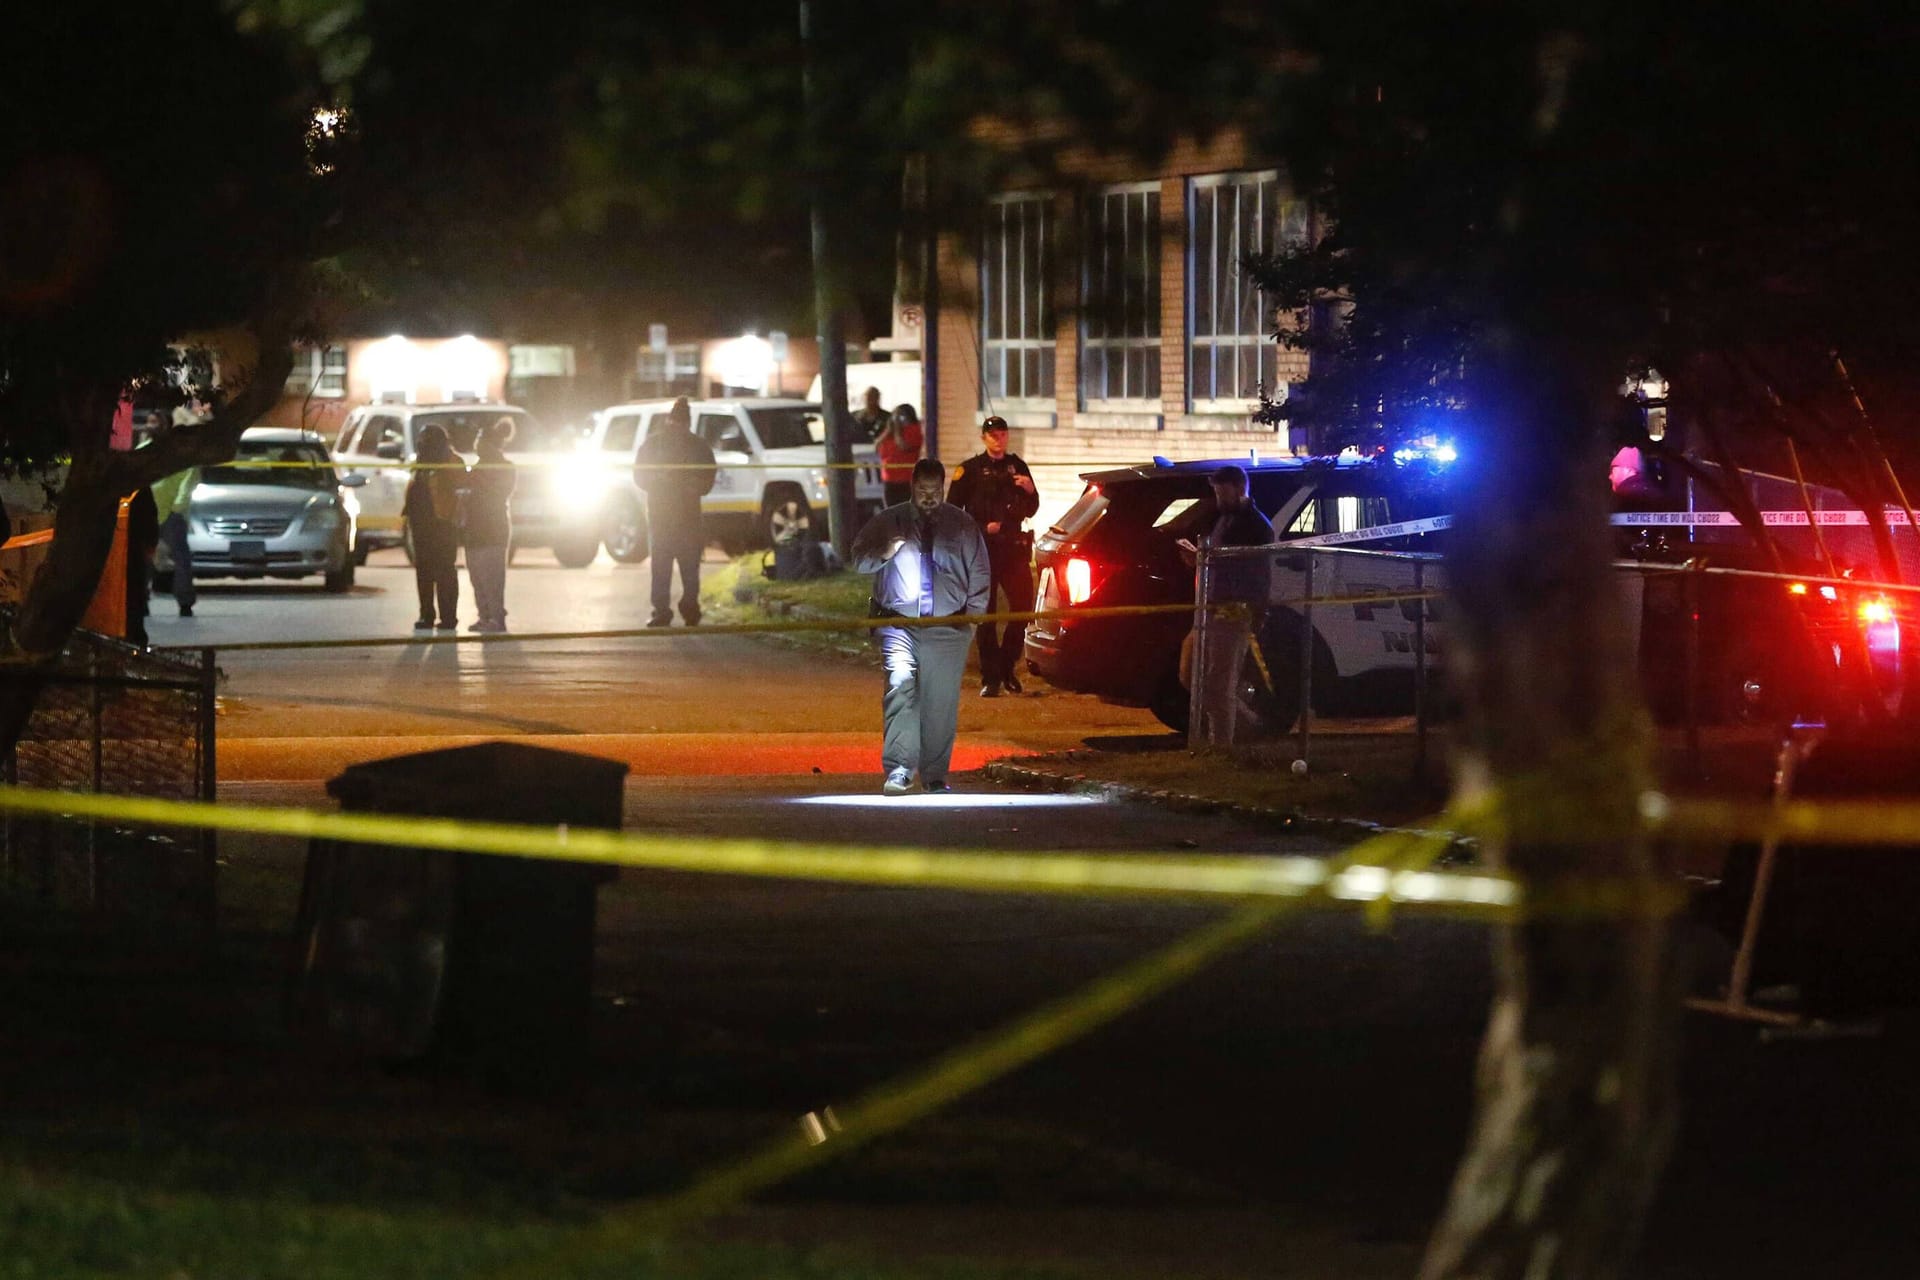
996, 488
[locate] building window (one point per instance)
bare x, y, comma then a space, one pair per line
320, 372
1120, 324
673, 372
1232, 350
1016, 312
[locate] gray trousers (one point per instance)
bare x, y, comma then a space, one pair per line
487, 571
921, 703
173, 531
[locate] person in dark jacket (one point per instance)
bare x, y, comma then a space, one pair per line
996, 488
1242, 580
928, 561
487, 524
432, 504
675, 467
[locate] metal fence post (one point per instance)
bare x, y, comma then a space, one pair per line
209, 839
1690, 586
1420, 671
1197, 674
1306, 664
97, 765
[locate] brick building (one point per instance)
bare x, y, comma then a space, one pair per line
1110, 322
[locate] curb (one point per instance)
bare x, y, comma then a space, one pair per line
1291, 821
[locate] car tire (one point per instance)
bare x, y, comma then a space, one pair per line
341, 579
361, 551
1171, 702
780, 512
626, 534
576, 551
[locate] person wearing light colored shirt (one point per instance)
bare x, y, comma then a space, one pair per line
929, 560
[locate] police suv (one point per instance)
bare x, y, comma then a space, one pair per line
1712, 647
772, 471
1119, 545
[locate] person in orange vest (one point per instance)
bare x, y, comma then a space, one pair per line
898, 445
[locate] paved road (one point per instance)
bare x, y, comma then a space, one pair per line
689, 705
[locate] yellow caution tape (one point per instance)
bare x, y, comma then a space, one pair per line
1868, 822
1078, 614
1154, 874
862, 623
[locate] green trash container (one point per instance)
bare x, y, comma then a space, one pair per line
469, 960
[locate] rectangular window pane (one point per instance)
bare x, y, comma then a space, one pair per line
1016, 303
1232, 352
1120, 356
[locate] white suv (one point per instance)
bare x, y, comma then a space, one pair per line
782, 439
546, 513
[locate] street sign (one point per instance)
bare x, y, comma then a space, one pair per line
657, 338
777, 340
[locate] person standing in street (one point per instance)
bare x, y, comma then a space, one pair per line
172, 499
871, 418
487, 524
996, 488
1241, 580
676, 469
899, 448
432, 504
928, 560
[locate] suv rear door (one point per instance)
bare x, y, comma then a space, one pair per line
730, 438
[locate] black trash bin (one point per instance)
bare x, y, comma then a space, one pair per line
466, 959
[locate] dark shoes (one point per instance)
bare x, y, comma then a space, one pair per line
660, 620
990, 689
937, 788
186, 611
1011, 683
424, 624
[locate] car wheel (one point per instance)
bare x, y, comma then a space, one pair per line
576, 551
627, 533
1171, 703
784, 515
361, 551
341, 578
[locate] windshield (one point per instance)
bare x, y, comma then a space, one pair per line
311, 469
462, 426
783, 428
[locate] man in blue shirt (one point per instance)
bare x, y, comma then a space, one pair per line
928, 560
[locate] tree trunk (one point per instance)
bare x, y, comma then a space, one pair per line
1575, 1091
83, 528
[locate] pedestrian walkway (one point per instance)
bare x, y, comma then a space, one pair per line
259, 759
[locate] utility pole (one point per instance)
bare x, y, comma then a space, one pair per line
828, 319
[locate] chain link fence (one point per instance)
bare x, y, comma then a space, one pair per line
1312, 628
110, 718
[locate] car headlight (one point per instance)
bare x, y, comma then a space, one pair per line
819, 479
581, 477
324, 507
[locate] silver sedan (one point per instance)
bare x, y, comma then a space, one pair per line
278, 510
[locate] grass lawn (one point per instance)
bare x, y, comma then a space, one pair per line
740, 592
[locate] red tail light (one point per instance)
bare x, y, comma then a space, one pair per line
1079, 579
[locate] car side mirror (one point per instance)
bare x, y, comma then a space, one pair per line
353, 480
390, 450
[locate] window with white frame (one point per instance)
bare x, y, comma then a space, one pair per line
1016, 302
1231, 349
673, 372
1120, 316
320, 372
